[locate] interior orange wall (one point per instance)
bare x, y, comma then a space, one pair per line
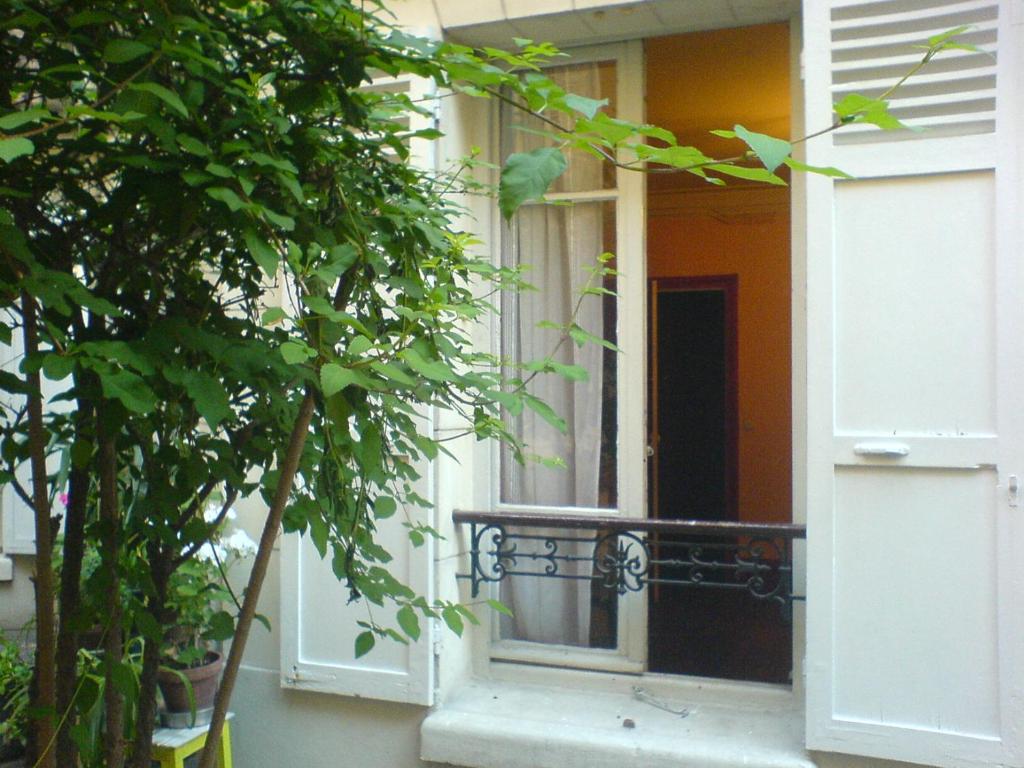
744, 77
757, 250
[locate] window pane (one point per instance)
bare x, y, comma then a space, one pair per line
560, 245
595, 80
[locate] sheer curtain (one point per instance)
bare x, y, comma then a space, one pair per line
558, 243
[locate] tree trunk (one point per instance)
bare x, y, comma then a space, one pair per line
146, 721
289, 468
113, 699
44, 700
70, 610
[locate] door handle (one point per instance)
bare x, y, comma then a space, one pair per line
882, 448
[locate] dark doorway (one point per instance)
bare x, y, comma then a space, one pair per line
693, 397
694, 476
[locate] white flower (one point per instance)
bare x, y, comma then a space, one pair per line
213, 510
240, 543
211, 552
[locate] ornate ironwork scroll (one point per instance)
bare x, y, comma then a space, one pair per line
627, 555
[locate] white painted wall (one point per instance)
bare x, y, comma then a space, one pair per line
16, 597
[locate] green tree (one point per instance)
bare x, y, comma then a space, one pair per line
169, 162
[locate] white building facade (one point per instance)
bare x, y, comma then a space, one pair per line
894, 418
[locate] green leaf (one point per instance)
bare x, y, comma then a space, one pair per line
286, 223
261, 158
393, 373
57, 367
750, 174
581, 337
222, 171
468, 614
293, 352
334, 378
500, 607
527, 176
546, 412
132, 391
571, 372
273, 315
453, 619
14, 148
120, 51
222, 627
796, 165
13, 120
123, 677
209, 396
364, 643
384, 507
583, 105
262, 252
854, 108
150, 628
120, 351
936, 41
359, 345
770, 151
431, 369
409, 621
193, 145
167, 96
227, 196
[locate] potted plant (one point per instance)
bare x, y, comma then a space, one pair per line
197, 593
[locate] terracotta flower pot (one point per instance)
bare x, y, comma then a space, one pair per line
204, 680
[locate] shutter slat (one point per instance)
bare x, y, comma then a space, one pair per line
926, 14
874, 44
985, 28
924, 79
953, 103
949, 60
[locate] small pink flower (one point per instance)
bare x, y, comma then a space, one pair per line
63, 499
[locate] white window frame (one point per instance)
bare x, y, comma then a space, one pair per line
630, 655
629, 196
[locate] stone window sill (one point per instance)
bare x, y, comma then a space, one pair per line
498, 724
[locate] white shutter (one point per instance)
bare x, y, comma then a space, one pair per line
17, 519
318, 625
915, 629
18, 523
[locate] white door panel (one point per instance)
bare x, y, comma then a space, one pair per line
915, 556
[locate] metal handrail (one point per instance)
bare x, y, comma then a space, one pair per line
626, 554
639, 524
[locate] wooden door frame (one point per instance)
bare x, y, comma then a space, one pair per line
728, 285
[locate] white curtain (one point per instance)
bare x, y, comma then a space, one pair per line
558, 243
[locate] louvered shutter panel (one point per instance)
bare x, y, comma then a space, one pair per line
318, 625
915, 404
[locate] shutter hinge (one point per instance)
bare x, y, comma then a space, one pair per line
1013, 490
802, 67
438, 644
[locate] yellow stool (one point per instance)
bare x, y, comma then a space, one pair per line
172, 745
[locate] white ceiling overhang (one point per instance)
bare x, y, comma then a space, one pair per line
579, 22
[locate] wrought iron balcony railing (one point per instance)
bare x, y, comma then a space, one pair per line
628, 554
